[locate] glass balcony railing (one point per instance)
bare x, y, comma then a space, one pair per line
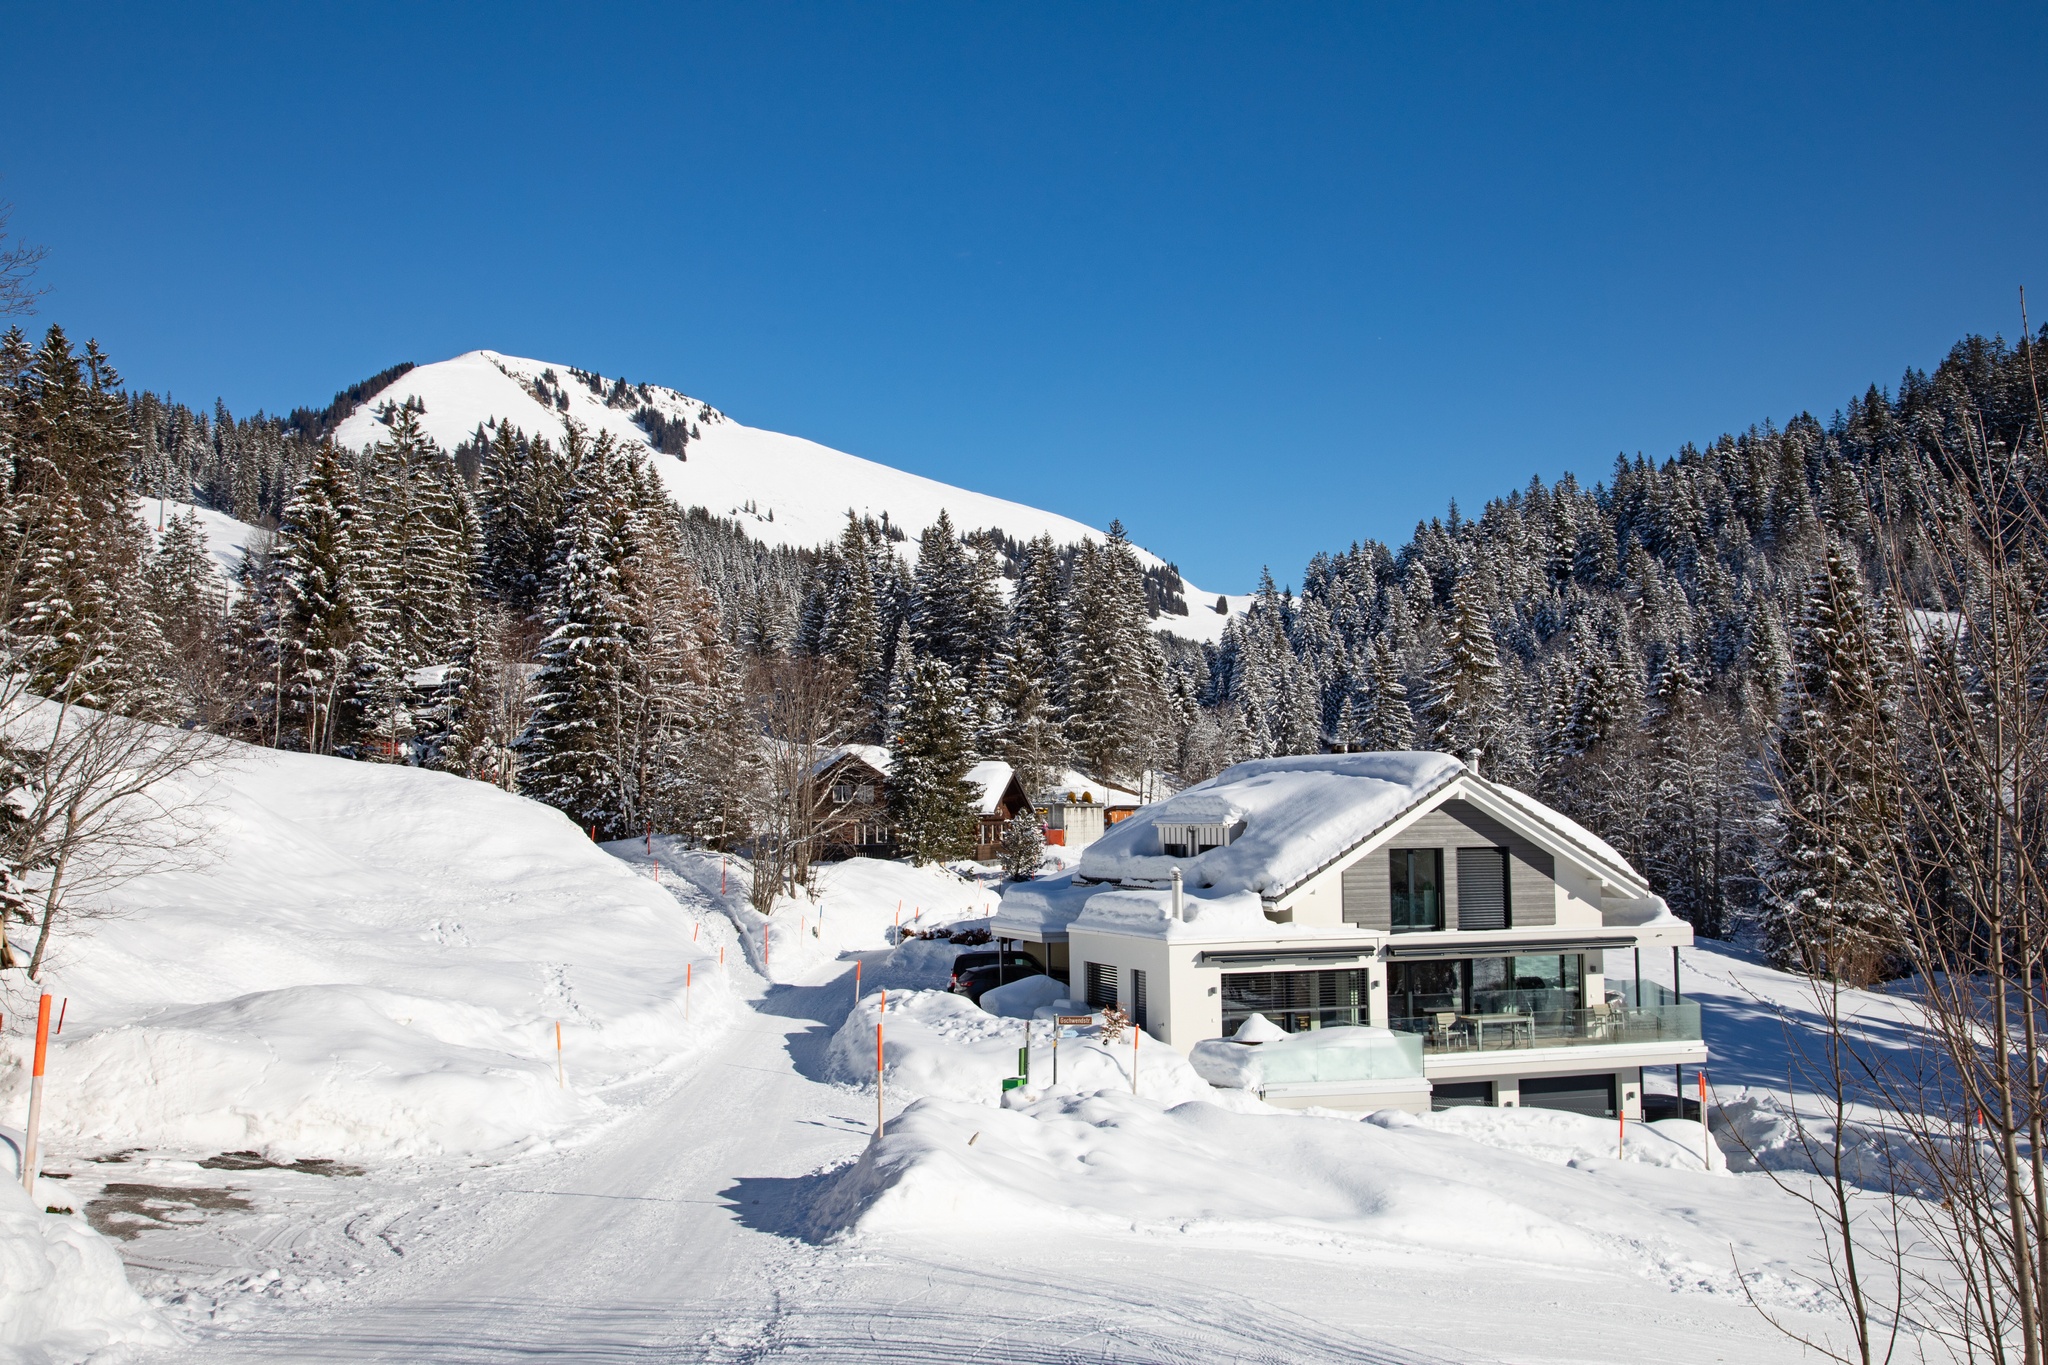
1495, 1021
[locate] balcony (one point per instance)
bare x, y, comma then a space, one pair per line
1504, 1021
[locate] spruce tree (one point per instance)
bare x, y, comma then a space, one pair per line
320, 605
1827, 912
1465, 709
936, 812
1389, 724
573, 750
1023, 850
1114, 699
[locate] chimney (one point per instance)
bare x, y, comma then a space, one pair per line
1472, 760
1178, 910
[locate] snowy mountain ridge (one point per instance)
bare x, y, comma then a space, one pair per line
784, 489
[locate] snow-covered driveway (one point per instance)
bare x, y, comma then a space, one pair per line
677, 1236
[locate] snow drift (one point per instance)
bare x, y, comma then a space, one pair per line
1531, 1186
371, 961
63, 1295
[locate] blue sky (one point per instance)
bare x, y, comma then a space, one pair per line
1258, 279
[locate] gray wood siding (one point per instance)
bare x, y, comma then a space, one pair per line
1532, 872
1368, 894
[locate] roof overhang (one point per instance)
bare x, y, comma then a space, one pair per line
1273, 957
1507, 947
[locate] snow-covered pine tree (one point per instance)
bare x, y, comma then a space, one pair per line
320, 605
1114, 671
1389, 724
934, 809
1023, 847
183, 593
573, 750
1826, 912
852, 633
942, 611
1032, 740
1465, 708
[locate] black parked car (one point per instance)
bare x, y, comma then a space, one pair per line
981, 971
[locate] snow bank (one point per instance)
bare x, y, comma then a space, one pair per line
63, 1295
371, 962
1491, 1188
1298, 812
939, 1044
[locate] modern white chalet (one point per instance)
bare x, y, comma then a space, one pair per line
1398, 891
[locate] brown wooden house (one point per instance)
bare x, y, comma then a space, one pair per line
1002, 798
852, 796
851, 787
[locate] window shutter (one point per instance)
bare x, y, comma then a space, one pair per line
1101, 986
1482, 888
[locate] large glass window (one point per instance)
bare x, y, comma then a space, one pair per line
1418, 880
1545, 987
1296, 1001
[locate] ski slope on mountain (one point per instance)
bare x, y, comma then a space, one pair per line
783, 489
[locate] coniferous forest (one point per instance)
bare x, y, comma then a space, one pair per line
1649, 654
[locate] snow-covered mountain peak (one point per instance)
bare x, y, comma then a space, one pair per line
784, 489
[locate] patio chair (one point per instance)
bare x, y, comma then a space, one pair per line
1448, 1033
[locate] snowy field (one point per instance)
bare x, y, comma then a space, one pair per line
309, 1094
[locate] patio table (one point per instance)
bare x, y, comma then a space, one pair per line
1508, 1022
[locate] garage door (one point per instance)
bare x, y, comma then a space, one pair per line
1590, 1095
1460, 1094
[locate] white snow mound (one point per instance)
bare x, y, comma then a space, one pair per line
63, 1294
371, 961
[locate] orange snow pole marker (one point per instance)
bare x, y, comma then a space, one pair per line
32, 1152
1706, 1138
721, 955
688, 968
856, 983
694, 928
880, 1123
1621, 1134
561, 1078
1135, 1031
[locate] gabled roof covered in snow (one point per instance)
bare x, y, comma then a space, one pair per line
873, 755
1293, 817
990, 779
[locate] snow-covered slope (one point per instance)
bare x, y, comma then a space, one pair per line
369, 961
784, 489
227, 540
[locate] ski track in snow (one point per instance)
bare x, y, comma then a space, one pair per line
675, 1234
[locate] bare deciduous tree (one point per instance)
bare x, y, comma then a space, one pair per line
18, 264
802, 706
